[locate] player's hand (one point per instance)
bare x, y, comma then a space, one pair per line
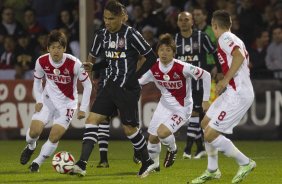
38, 107
88, 66
221, 86
205, 105
80, 114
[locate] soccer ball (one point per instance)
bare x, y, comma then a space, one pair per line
63, 162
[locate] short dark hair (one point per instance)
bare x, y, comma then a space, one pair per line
167, 39
115, 7
222, 18
57, 36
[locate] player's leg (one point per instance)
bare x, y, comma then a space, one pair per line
199, 139
103, 141
154, 148
49, 147
39, 120
90, 137
212, 171
101, 109
167, 138
32, 135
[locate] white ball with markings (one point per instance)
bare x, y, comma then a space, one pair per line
63, 162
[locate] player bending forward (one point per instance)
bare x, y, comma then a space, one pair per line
58, 101
173, 78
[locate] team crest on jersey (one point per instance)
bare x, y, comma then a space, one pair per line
187, 48
56, 71
66, 72
121, 43
175, 76
166, 77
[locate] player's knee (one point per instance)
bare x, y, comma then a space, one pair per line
54, 138
163, 132
129, 130
33, 133
95, 118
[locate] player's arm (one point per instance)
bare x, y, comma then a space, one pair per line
37, 86
198, 73
237, 61
88, 65
87, 88
150, 60
146, 78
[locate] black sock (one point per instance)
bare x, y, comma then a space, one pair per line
139, 144
90, 137
103, 141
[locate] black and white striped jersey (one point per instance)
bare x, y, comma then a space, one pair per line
121, 51
193, 49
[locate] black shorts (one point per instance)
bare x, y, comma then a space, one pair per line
112, 97
197, 95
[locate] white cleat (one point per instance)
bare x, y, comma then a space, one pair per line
186, 156
200, 155
78, 171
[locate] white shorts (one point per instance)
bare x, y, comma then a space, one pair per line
51, 113
172, 119
227, 111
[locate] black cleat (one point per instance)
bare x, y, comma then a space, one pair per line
26, 155
103, 164
144, 170
170, 158
34, 167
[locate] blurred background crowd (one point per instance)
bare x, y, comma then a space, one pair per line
25, 24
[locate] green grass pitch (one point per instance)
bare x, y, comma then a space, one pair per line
268, 156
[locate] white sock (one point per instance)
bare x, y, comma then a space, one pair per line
227, 147
46, 151
31, 141
154, 152
212, 157
169, 142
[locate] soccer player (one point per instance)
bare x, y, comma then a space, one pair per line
121, 46
192, 47
236, 97
173, 78
58, 101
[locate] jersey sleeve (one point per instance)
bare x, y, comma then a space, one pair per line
139, 43
227, 44
38, 70
80, 71
193, 71
96, 45
146, 78
207, 44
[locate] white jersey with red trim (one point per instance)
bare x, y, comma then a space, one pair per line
174, 82
227, 42
61, 79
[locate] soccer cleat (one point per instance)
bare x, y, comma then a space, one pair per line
144, 170
26, 154
244, 171
186, 156
79, 168
103, 164
207, 176
200, 154
170, 158
34, 167
152, 168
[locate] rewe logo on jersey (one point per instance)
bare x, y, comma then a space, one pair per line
171, 84
59, 78
220, 58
